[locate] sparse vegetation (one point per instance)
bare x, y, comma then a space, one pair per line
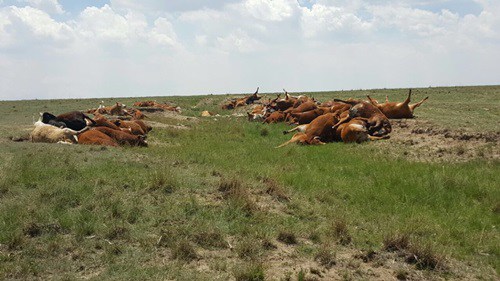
216, 195
249, 272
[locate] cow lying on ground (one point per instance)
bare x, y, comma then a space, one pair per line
74, 120
397, 110
95, 137
355, 131
134, 128
51, 134
319, 131
234, 103
123, 137
275, 117
378, 123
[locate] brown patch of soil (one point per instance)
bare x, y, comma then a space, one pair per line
423, 141
155, 124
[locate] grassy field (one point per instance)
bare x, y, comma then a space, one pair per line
211, 198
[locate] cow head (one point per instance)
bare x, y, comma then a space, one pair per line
46, 117
141, 141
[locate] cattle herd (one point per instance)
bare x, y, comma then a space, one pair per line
350, 120
124, 127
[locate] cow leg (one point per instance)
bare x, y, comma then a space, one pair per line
298, 137
373, 138
386, 99
413, 106
300, 128
408, 99
341, 121
371, 100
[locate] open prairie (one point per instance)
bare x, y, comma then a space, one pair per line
211, 198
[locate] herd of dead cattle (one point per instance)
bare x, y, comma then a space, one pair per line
125, 127
350, 120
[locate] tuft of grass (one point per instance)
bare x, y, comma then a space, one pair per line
164, 181
275, 190
341, 232
210, 239
425, 257
287, 238
264, 132
396, 242
401, 274
117, 232
227, 186
248, 249
249, 272
326, 257
238, 195
184, 251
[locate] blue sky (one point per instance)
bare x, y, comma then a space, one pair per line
94, 48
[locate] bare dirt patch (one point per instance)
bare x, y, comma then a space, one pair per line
155, 124
422, 140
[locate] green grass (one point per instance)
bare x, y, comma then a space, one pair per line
157, 212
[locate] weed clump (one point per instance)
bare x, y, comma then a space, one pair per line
275, 190
251, 272
210, 239
396, 242
287, 238
248, 249
424, 257
237, 195
264, 132
326, 257
117, 233
165, 182
184, 251
341, 232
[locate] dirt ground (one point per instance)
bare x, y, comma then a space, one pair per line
421, 140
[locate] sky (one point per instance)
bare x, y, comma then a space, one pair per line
117, 48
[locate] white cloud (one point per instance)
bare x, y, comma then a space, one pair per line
330, 18
276, 10
49, 6
39, 22
163, 33
239, 41
104, 23
132, 47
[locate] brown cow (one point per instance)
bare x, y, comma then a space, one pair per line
134, 127
122, 137
308, 116
101, 121
275, 117
116, 109
397, 110
145, 127
95, 137
355, 131
319, 131
378, 123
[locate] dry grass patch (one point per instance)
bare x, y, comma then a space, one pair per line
326, 257
396, 242
238, 195
425, 257
210, 239
341, 232
275, 190
249, 272
287, 238
184, 251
